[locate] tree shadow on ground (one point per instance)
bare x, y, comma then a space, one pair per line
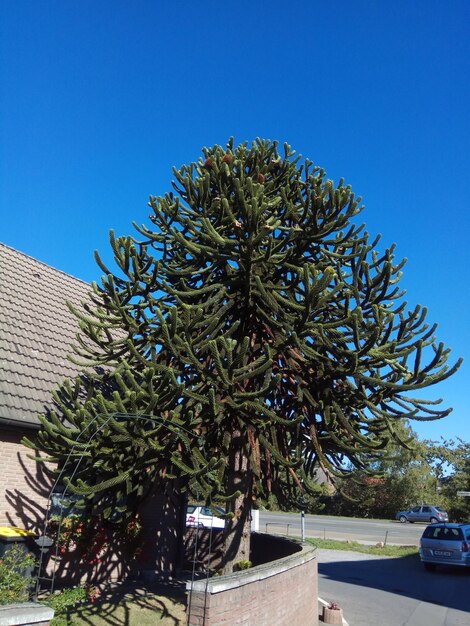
135, 604
446, 586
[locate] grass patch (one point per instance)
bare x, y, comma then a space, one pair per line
354, 546
139, 607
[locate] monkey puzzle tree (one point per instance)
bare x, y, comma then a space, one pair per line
261, 331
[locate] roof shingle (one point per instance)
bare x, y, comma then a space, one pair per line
36, 333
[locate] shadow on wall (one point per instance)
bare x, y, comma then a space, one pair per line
71, 564
29, 504
106, 552
203, 549
162, 517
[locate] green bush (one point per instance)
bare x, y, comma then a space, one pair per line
239, 566
15, 579
67, 599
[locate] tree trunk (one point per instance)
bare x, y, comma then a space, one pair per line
237, 531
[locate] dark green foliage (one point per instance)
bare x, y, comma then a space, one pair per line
252, 316
66, 602
16, 581
456, 453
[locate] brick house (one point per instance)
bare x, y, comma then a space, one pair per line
36, 332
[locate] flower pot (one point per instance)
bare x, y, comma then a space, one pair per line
332, 616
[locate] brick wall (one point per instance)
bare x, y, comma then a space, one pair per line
273, 594
24, 487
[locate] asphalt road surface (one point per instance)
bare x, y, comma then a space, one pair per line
375, 590
342, 528
384, 591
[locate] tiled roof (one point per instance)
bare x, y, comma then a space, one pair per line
36, 332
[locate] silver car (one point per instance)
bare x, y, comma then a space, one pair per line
424, 513
445, 544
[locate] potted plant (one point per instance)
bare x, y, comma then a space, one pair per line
333, 614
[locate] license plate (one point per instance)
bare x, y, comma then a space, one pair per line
442, 553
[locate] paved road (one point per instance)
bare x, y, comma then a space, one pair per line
375, 590
329, 527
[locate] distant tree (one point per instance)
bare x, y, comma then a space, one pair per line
356, 495
409, 477
260, 329
424, 471
453, 462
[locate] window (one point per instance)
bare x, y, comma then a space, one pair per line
443, 533
206, 511
64, 506
453, 534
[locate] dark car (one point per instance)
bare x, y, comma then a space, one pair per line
424, 513
445, 544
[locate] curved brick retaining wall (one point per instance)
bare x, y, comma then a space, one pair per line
282, 591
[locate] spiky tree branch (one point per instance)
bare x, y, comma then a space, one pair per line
256, 313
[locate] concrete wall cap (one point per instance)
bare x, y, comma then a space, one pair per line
25, 613
259, 572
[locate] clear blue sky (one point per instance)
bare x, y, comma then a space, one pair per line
100, 99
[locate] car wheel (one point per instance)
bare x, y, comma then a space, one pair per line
402, 519
429, 567
434, 520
